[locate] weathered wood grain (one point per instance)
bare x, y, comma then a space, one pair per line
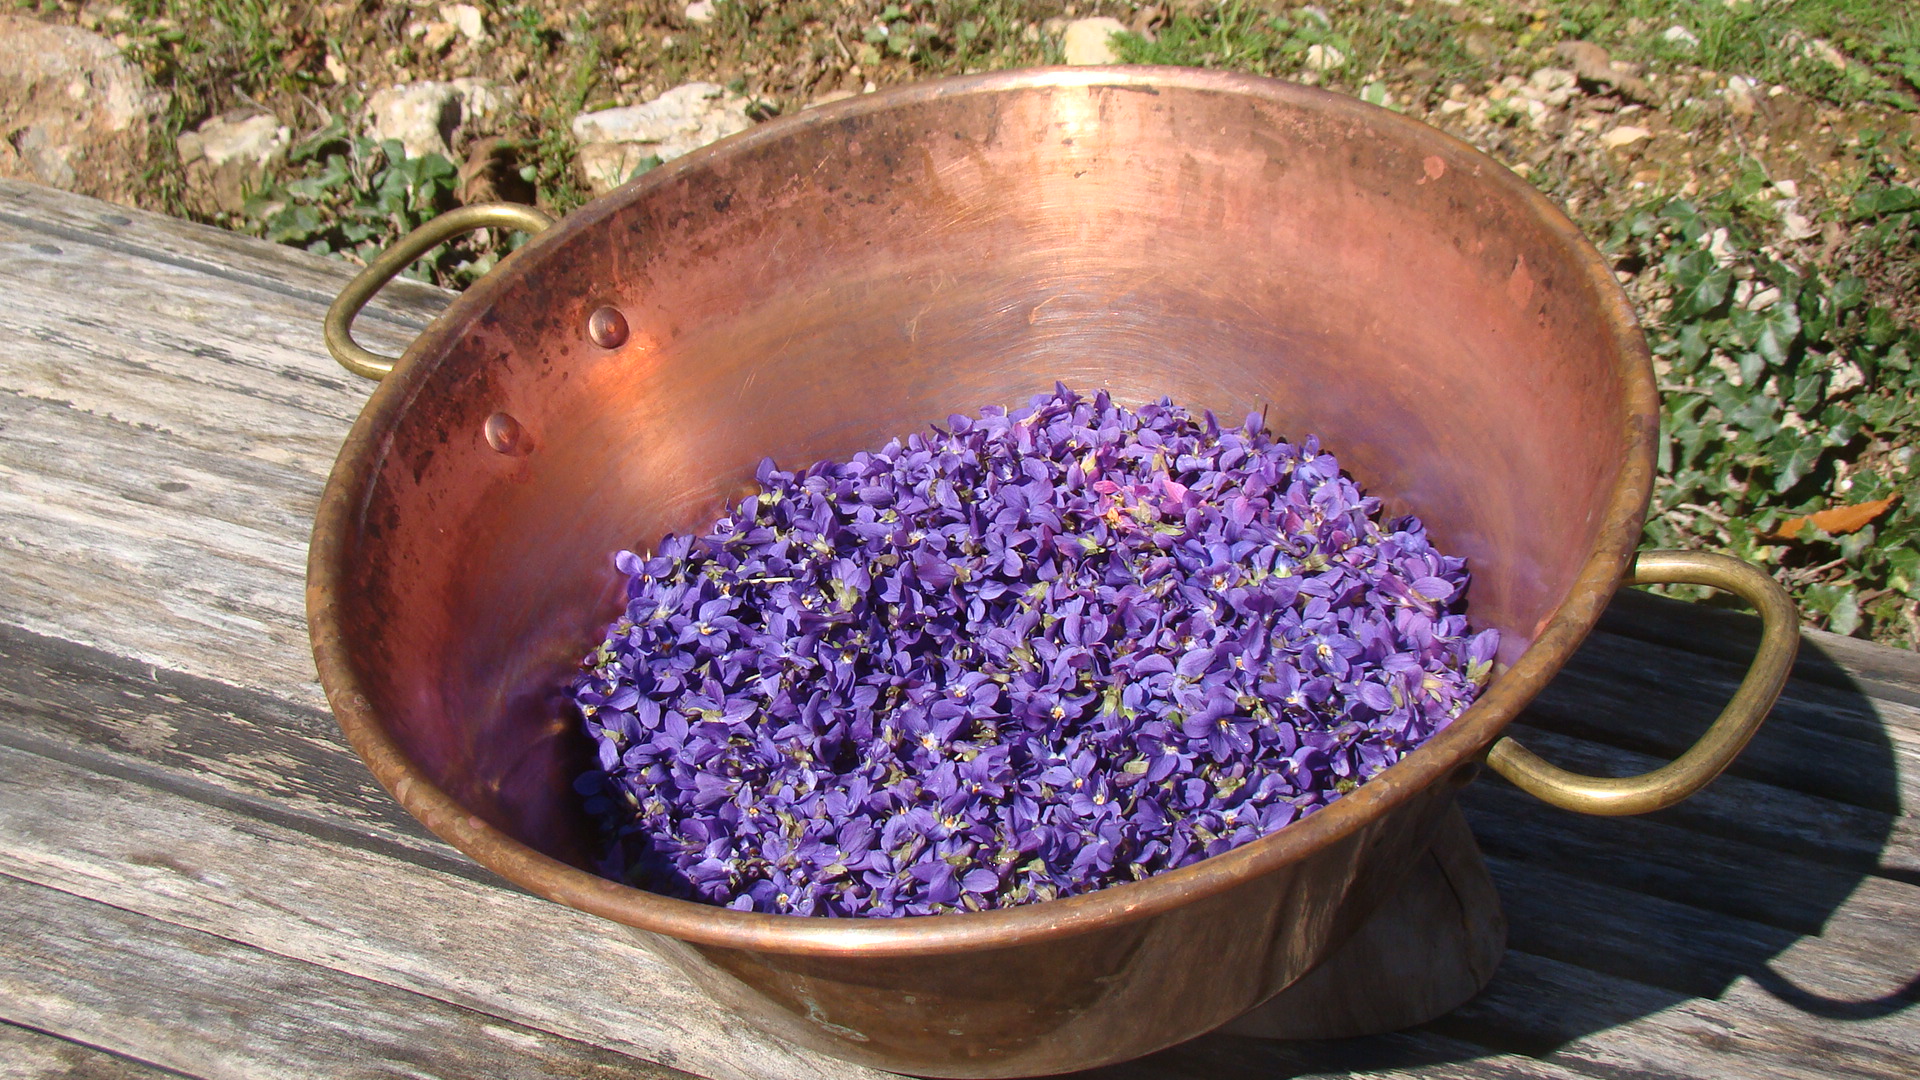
57, 217
480, 946
1412, 1055
1572, 1016
82, 559
240, 749
1756, 812
209, 1007
1688, 952
210, 418
165, 855
1809, 705
1889, 674
26, 1054
1660, 859
491, 950
169, 415
1855, 750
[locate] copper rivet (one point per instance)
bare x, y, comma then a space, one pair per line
608, 328
505, 434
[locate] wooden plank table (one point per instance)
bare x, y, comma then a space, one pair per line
198, 877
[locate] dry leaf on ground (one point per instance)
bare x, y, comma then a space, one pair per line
1837, 521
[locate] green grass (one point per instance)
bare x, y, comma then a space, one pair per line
1769, 40
1421, 45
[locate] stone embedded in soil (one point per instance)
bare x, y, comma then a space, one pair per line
468, 20
73, 112
1624, 136
1090, 41
421, 115
832, 96
1681, 36
425, 115
1554, 86
1742, 95
613, 142
1324, 58
226, 156
1822, 50
480, 99
700, 11
1595, 65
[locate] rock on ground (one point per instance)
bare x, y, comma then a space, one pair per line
227, 155
1743, 95
468, 20
1624, 136
1324, 58
1090, 41
613, 142
425, 115
73, 112
1595, 65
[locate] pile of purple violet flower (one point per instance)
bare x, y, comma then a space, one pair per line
1027, 656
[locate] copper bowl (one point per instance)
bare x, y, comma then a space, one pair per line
828, 280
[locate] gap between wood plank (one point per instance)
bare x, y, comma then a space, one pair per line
203, 1005
208, 739
31, 1054
1752, 811
1732, 635
51, 672
518, 957
238, 868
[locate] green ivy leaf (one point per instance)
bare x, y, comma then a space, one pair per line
1691, 343
1845, 616
1847, 293
1793, 458
294, 225
1903, 570
1808, 389
1839, 425
1880, 330
1686, 220
333, 175
1707, 292
334, 132
1892, 199
1779, 326
1750, 411
1854, 545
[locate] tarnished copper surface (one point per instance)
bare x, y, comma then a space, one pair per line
828, 280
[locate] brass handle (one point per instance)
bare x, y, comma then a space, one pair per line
339, 325
1723, 741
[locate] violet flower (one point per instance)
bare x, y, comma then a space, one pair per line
1027, 655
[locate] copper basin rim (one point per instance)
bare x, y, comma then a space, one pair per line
830, 279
